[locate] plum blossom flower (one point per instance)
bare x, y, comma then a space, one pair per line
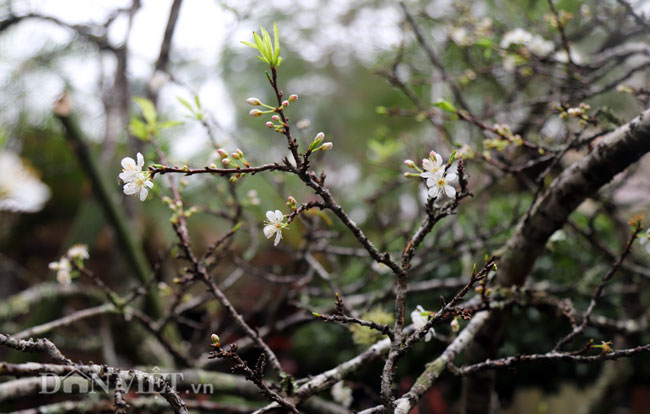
516, 36
63, 270
20, 189
420, 320
535, 43
78, 251
136, 181
432, 166
540, 46
442, 184
274, 225
342, 394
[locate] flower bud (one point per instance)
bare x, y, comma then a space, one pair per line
255, 112
215, 339
222, 153
235, 155
253, 101
320, 136
326, 146
293, 98
455, 327
409, 163
240, 153
225, 162
275, 118
269, 124
285, 103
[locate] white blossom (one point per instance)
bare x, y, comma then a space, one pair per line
63, 268
540, 46
432, 166
562, 56
136, 181
20, 188
420, 320
517, 36
274, 225
78, 251
342, 394
442, 184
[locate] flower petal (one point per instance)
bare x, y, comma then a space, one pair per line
268, 231
140, 161
278, 237
438, 160
128, 163
278, 215
127, 176
433, 192
270, 215
148, 183
143, 193
451, 178
450, 191
131, 188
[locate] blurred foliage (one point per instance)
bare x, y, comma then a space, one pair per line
342, 94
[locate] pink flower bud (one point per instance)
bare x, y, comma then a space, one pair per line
240, 153
255, 112
225, 162
222, 153
235, 155
293, 98
275, 118
409, 163
215, 339
269, 124
326, 146
253, 101
285, 103
320, 135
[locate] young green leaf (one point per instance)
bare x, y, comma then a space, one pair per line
148, 109
445, 106
276, 38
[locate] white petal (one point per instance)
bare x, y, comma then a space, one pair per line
428, 336
433, 192
450, 191
148, 183
270, 215
53, 265
427, 164
268, 231
451, 178
278, 237
140, 161
143, 193
127, 176
131, 188
128, 163
438, 160
278, 215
